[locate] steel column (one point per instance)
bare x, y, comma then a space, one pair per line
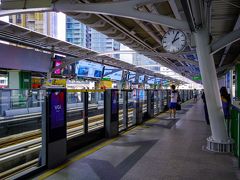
211, 87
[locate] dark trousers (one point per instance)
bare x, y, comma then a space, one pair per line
206, 114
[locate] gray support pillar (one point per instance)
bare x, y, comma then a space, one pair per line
210, 84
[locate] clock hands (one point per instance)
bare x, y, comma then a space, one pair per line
175, 37
175, 40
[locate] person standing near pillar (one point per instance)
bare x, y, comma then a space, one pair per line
205, 108
195, 95
226, 103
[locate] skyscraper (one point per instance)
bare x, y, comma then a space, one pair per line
140, 60
79, 34
76, 32
45, 23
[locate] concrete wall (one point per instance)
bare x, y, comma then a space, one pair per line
23, 59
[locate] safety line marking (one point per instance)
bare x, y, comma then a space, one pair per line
82, 155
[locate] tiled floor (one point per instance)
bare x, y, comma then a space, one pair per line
161, 150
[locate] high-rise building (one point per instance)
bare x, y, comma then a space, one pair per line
76, 32
45, 23
140, 60
79, 34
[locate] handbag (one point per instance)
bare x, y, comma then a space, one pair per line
178, 107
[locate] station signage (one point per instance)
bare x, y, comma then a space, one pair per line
197, 78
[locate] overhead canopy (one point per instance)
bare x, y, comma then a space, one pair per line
31, 39
141, 24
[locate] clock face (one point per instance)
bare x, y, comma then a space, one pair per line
174, 41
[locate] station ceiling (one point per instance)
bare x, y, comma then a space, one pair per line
221, 17
143, 37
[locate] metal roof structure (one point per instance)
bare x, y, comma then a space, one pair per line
31, 39
225, 18
141, 24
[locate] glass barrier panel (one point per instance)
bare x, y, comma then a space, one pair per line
75, 126
185, 95
21, 131
182, 95
131, 117
155, 102
165, 98
144, 106
160, 105
95, 111
121, 113
15, 103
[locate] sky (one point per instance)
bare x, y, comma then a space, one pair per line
4, 18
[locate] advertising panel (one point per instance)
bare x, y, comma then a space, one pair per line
132, 76
57, 110
56, 64
158, 81
113, 73
114, 104
141, 79
88, 69
151, 80
141, 94
56, 114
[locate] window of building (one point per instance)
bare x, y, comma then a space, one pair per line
18, 18
10, 19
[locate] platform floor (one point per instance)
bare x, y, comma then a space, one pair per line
161, 149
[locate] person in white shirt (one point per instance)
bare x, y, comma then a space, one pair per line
194, 95
173, 102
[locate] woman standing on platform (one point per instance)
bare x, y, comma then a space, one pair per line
226, 103
173, 102
205, 108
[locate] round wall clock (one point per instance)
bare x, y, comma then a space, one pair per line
174, 41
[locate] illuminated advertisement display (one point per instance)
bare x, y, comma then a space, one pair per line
57, 109
56, 64
88, 69
158, 81
141, 79
56, 114
141, 94
165, 82
131, 76
151, 80
114, 102
113, 73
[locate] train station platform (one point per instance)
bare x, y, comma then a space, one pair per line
161, 148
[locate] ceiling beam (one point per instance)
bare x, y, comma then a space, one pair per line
125, 9
174, 8
224, 41
237, 25
22, 11
165, 55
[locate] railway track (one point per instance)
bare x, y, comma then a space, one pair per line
31, 135
25, 144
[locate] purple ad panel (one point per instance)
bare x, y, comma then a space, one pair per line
114, 102
57, 110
